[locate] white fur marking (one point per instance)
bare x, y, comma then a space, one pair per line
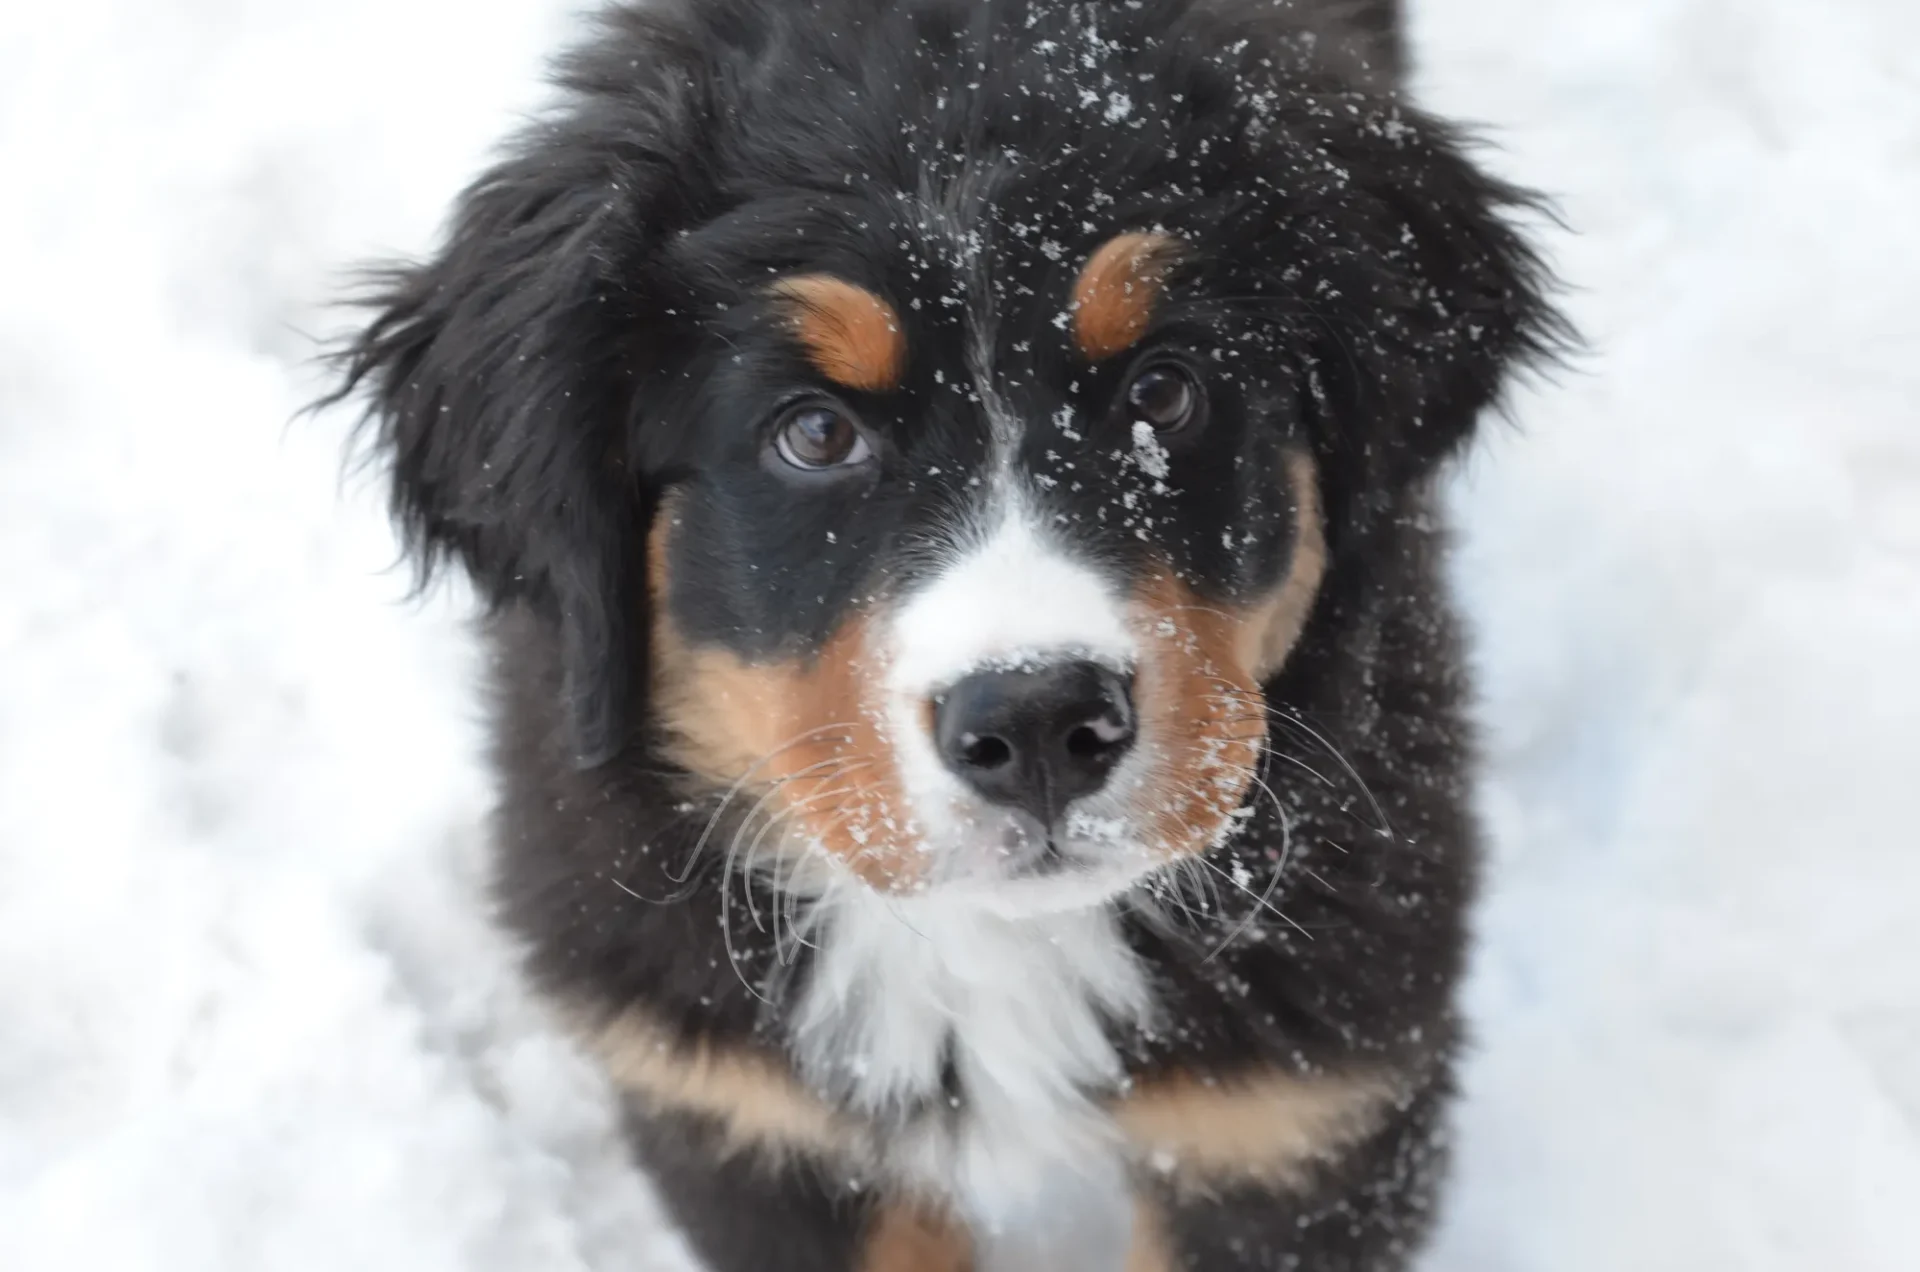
1009, 595
1021, 1002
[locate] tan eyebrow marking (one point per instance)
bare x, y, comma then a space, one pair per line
1117, 290
853, 337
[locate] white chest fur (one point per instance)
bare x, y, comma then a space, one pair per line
902, 986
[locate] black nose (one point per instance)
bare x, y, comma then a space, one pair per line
1036, 739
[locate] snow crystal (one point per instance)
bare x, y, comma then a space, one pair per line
1148, 453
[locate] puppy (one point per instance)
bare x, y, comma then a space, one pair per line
978, 729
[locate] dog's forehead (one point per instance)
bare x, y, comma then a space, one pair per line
962, 251
1001, 269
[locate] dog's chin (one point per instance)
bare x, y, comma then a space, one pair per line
1062, 889
1017, 872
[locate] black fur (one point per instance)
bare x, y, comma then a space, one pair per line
590, 337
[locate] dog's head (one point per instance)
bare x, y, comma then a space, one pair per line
935, 420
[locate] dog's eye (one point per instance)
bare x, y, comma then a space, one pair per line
816, 436
1165, 397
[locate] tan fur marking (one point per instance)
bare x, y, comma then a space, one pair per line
1117, 289
853, 337
1148, 1251
803, 733
1199, 685
1272, 1128
1283, 615
907, 1239
1194, 696
755, 1100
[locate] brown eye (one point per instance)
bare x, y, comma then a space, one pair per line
817, 436
1165, 397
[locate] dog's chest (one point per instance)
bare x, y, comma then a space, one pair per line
998, 1029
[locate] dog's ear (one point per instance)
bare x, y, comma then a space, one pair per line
1378, 30
1421, 291
1472, 296
1441, 299
1367, 38
499, 381
495, 409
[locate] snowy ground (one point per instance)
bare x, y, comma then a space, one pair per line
249, 1016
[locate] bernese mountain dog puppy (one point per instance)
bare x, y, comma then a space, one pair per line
978, 726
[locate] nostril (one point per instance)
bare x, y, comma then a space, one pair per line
984, 752
1087, 741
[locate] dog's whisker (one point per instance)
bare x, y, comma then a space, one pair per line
1260, 901
787, 813
1201, 886
832, 765
1185, 884
1292, 721
746, 822
783, 894
1273, 882
810, 848
1339, 757
740, 783
728, 877
726, 939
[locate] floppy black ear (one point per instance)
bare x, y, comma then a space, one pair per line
497, 391
501, 374
1378, 27
1366, 37
1421, 293
1472, 295
1442, 301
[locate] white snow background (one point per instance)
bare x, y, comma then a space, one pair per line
251, 1017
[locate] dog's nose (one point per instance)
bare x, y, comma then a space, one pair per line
1036, 739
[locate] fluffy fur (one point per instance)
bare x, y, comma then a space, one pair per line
1129, 336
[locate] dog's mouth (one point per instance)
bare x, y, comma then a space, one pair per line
1057, 885
1005, 862
1028, 850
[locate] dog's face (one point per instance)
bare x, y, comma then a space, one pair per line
939, 467
988, 539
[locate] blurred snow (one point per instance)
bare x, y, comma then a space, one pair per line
251, 1015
